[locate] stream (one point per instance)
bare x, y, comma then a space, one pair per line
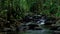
38, 32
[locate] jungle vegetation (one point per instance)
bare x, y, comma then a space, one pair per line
14, 10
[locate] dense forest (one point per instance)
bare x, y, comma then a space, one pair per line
13, 11
19, 8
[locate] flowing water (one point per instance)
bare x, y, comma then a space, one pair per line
40, 22
38, 32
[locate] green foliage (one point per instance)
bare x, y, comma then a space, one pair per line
17, 9
22, 7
